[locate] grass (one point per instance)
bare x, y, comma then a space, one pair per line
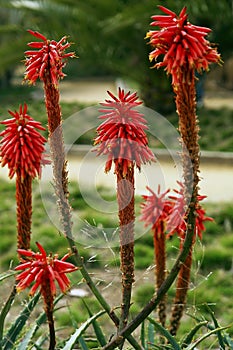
212, 268
216, 127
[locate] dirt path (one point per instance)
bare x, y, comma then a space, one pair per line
92, 91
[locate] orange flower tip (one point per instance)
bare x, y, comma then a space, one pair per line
19, 289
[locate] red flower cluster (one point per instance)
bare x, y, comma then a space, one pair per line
122, 135
22, 145
43, 269
170, 212
156, 210
181, 43
49, 59
177, 220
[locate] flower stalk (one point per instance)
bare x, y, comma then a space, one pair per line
185, 50
22, 148
155, 211
125, 198
46, 63
122, 138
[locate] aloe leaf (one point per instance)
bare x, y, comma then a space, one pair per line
198, 341
216, 324
165, 333
77, 334
98, 331
4, 312
32, 331
228, 340
188, 339
83, 344
142, 336
17, 326
151, 334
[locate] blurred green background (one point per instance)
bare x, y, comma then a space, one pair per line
108, 37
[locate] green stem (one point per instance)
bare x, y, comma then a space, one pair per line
152, 304
52, 338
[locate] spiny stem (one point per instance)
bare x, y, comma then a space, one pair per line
160, 270
52, 337
181, 293
125, 197
24, 209
57, 151
188, 127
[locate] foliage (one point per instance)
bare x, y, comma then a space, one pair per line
112, 40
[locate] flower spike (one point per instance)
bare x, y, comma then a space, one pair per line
181, 43
122, 135
22, 146
49, 58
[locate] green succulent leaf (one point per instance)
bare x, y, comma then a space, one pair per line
78, 333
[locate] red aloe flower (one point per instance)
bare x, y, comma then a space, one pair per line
177, 220
122, 135
44, 270
22, 145
50, 57
181, 43
201, 217
156, 210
